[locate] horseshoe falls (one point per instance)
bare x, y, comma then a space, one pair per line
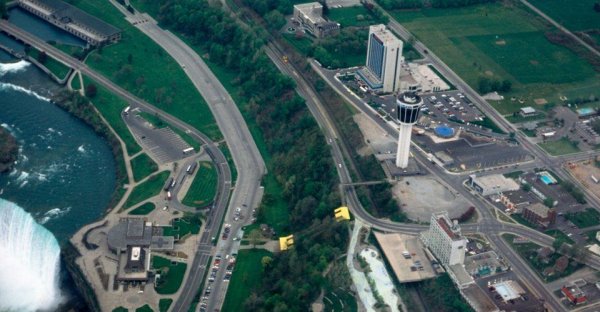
29, 262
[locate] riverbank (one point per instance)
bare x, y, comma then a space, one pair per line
80, 107
9, 150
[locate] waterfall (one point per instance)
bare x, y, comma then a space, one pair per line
29, 262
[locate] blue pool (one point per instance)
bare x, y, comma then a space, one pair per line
547, 178
586, 111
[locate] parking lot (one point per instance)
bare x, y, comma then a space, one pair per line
163, 144
527, 301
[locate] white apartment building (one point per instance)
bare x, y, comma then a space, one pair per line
384, 58
445, 240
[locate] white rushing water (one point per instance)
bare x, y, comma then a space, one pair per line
29, 262
13, 67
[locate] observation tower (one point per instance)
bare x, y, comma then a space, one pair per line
409, 105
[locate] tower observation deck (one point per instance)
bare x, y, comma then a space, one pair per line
409, 106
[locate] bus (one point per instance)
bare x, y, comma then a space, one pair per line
168, 184
190, 169
126, 111
188, 150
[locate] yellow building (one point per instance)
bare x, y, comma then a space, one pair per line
342, 214
286, 242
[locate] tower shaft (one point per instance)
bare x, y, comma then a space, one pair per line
403, 145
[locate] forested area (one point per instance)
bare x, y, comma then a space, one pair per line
413, 4
301, 161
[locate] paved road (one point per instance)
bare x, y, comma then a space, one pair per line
248, 161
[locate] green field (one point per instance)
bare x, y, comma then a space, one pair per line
502, 41
558, 234
111, 107
247, 276
147, 189
183, 226
204, 187
352, 16
145, 308
586, 218
164, 304
560, 147
163, 83
143, 209
171, 275
574, 15
142, 166
57, 68
75, 83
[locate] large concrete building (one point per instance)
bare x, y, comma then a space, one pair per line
132, 240
73, 20
492, 184
384, 59
409, 105
310, 17
444, 239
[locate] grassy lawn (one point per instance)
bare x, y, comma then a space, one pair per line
142, 166
171, 275
204, 187
575, 15
72, 50
560, 147
557, 234
145, 308
520, 219
502, 41
183, 226
352, 16
143, 209
111, 106
57, 68
163, 84
582, 219
528, 251
164, 304
159, 123
247, 275
147, 189
75, 83
488, 123
303, 44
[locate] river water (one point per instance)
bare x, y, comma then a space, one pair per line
65, 173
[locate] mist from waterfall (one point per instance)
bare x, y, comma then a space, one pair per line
29, 262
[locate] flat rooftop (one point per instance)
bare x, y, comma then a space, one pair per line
394, 244
67, 13
381, 32
493, 181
